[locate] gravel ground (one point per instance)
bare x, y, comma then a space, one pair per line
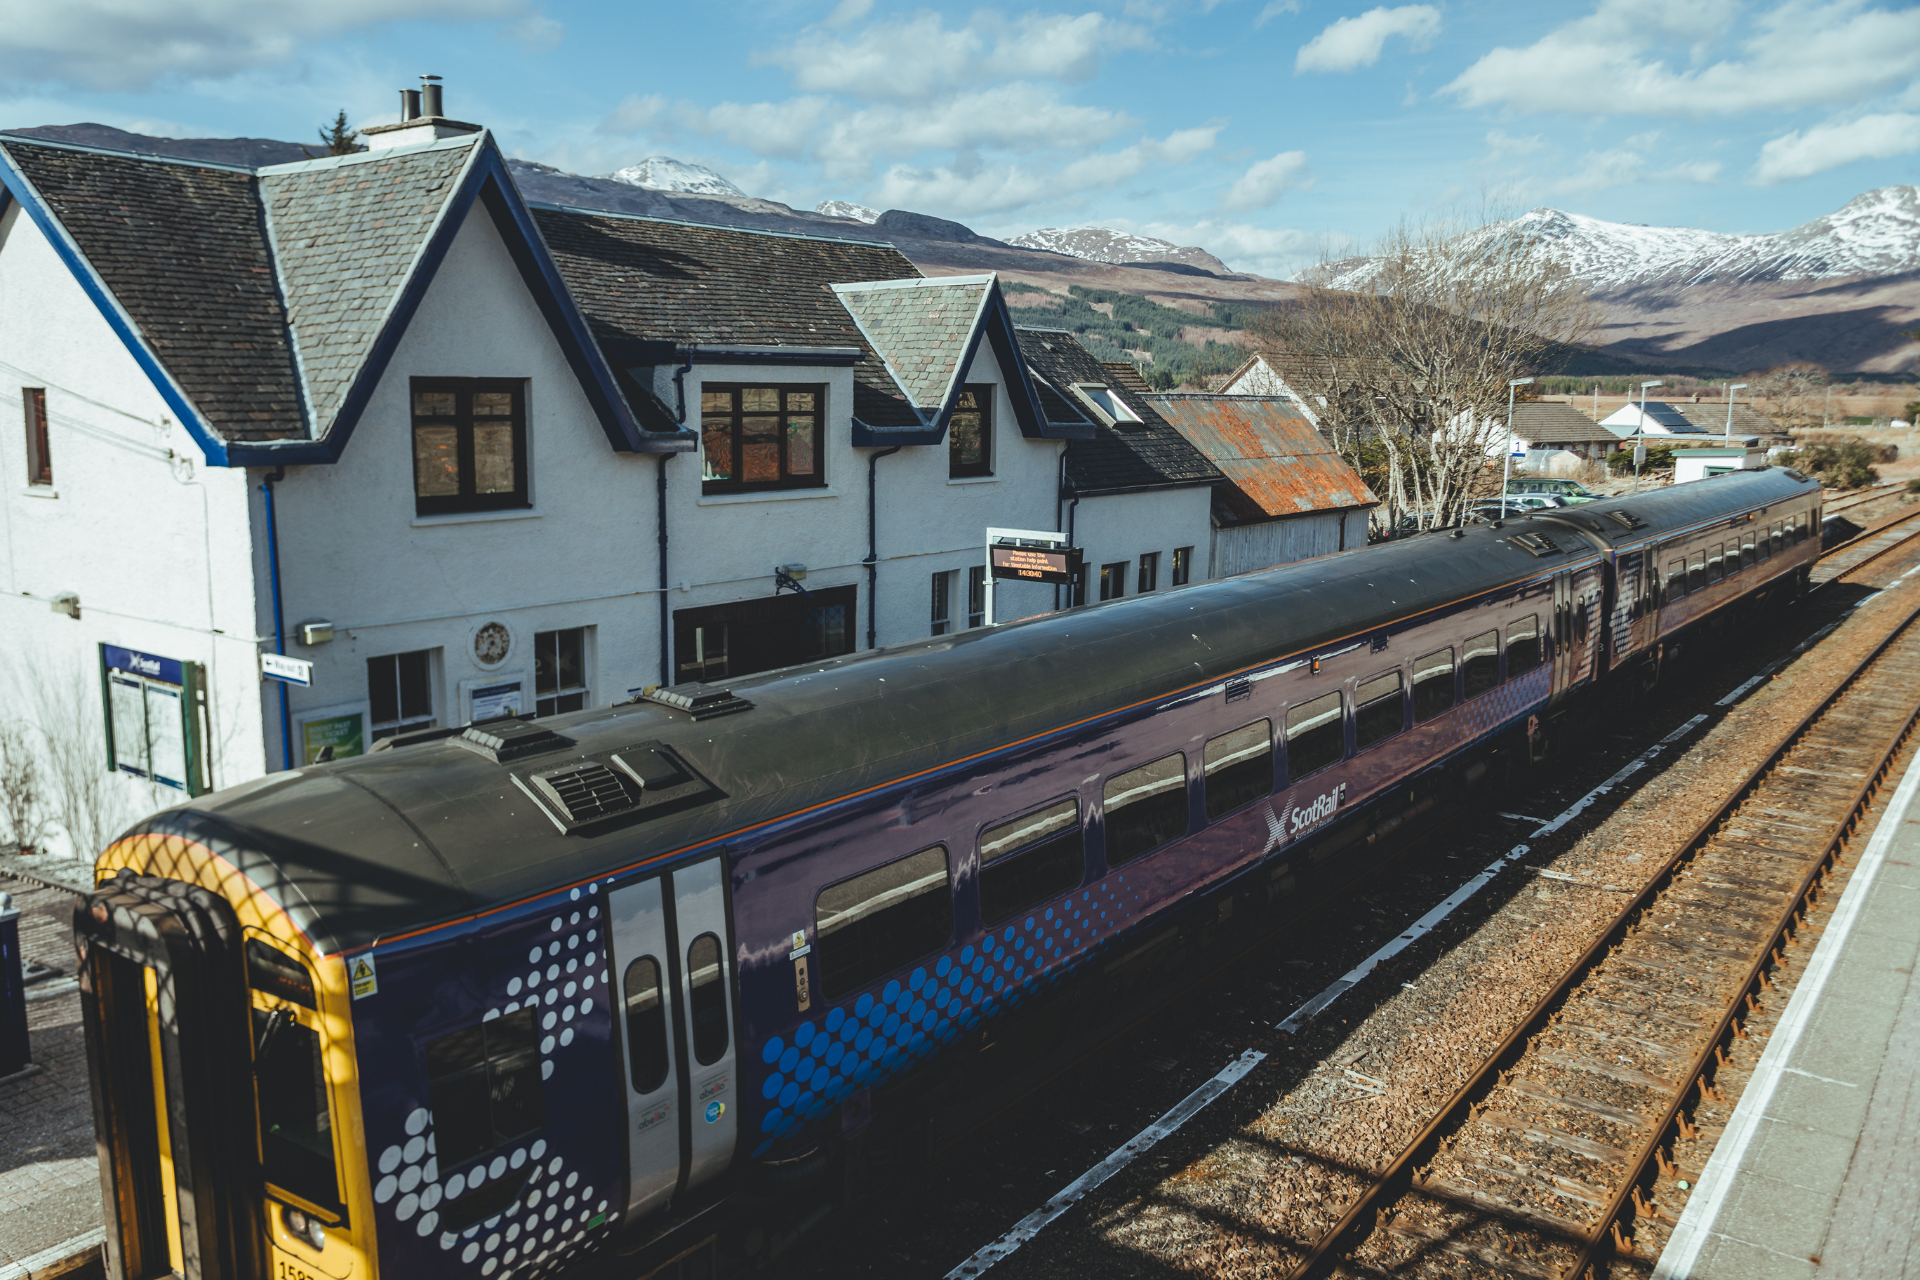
1273, 1163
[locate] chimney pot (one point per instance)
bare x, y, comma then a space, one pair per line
430, 102
409, 104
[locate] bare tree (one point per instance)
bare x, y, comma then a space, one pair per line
1412, 349
20, 796
78, 794
1795, 394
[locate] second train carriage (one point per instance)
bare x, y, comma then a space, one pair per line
505, 1002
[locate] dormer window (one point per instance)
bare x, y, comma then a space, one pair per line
970, 433
761, 437
469, 445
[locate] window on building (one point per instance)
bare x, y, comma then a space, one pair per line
1030, 859
560, 671
469, 445
1113, 580
1523, 645
1481, 669
1316, 736
1239, 768
1182, 565
942, 613
1149, 572
727, 641
1379, 709
483, 1085
970, 433
1146, 808
39, 457
882, 920
761, 437
977, 596
400, 689
1432, 684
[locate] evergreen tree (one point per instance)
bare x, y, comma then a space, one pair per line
338, 138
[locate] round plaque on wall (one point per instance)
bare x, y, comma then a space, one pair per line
491, 644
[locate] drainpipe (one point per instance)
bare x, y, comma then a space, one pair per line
1059, 496
666, 638
680, 388
873, 543
1072, 508
279, 625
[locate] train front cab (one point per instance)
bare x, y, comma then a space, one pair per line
222, 1072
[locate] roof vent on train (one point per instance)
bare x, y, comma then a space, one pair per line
1535, 544
701, 701
1625, 519
588, 791
506, 740
637, 782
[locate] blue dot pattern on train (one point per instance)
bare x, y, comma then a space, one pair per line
882, 1033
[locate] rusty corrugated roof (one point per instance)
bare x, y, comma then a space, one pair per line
1271, 455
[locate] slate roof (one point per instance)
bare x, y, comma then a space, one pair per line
921, 328
1556, 422
181, 246
648, 280
348, 232
1146, 454
1747, 421
1658, 413
1275, 463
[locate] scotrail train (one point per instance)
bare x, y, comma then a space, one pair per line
663, 983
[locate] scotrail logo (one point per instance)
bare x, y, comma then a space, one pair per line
1298, 819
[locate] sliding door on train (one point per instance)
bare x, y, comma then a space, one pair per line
671, 957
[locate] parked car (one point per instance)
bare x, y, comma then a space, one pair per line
1572, 490
1495, 509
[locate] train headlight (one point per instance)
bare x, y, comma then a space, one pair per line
306, 1229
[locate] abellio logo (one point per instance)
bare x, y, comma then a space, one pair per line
1324, 807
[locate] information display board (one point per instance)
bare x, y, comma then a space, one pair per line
154, 709
1059, 566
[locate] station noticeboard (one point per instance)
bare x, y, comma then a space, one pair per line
155, 715
1058, 565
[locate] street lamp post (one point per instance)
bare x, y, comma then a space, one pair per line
1506, 469
1640, 438
1731, 388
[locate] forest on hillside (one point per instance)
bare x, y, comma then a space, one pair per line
1126, 326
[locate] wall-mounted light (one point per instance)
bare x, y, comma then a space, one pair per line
68, 602
318, 631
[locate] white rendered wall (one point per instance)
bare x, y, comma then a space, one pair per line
1124, 526
157, 547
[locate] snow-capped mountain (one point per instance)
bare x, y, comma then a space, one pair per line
1876, 234
847, 209
1102, 244
664, 173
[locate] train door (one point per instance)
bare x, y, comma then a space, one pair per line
1646, 609
165, 1014
1564, 667
673, 961
1628, 570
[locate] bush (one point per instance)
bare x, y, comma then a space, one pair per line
1846, 464
1659, 458
1913, 486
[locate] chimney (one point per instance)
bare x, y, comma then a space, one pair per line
422, 119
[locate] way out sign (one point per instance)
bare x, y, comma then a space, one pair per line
277, 666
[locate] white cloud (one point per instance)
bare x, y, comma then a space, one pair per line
1830, 145
1276, 9
537, 31
1266, 181
1629, 163
921, 57
968, 188
848, 12
1352, 43
1795, 54
634, 114
1500, 145
128, 44
1277, 252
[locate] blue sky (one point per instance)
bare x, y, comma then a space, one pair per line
1268, 131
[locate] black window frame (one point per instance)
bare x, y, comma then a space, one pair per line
519, 1053
1025, 875
33, 402
462, 420
1676, 579
840, 976
1182, 567
1147, 577
1315, 724
1113, 580
551, 697
1428, 707
1490, 676
1374, 721
976, 596
736, 416
1537, 646
1149, 823
974, 400
940, 611
411, 662
1242, 781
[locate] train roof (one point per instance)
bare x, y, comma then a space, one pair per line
386, 844
1626, 522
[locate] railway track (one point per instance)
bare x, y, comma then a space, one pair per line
1861, 497
1866, 548
1539, 1164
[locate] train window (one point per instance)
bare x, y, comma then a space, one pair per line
1432, 684
296, 1125
273, 974
1379, 710
1523, 645
1239, 768
707, 999
883, 920
1481, 670
1676, 580
1146, 807
1776, 541
1315, 736
646, 1012
1030, 859
1696, 572
1749, 552
483, 1087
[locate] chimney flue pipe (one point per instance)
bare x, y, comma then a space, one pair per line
430, 103
409, 104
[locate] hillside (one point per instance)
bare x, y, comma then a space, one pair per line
1099, 244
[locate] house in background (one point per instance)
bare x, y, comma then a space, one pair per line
1558, 439
1657, 418
377, 414
1284, 494
1312, 383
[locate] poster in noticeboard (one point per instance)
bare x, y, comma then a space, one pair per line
153, 711
343, 728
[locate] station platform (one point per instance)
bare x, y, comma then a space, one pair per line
49, 1177
1818, 1171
